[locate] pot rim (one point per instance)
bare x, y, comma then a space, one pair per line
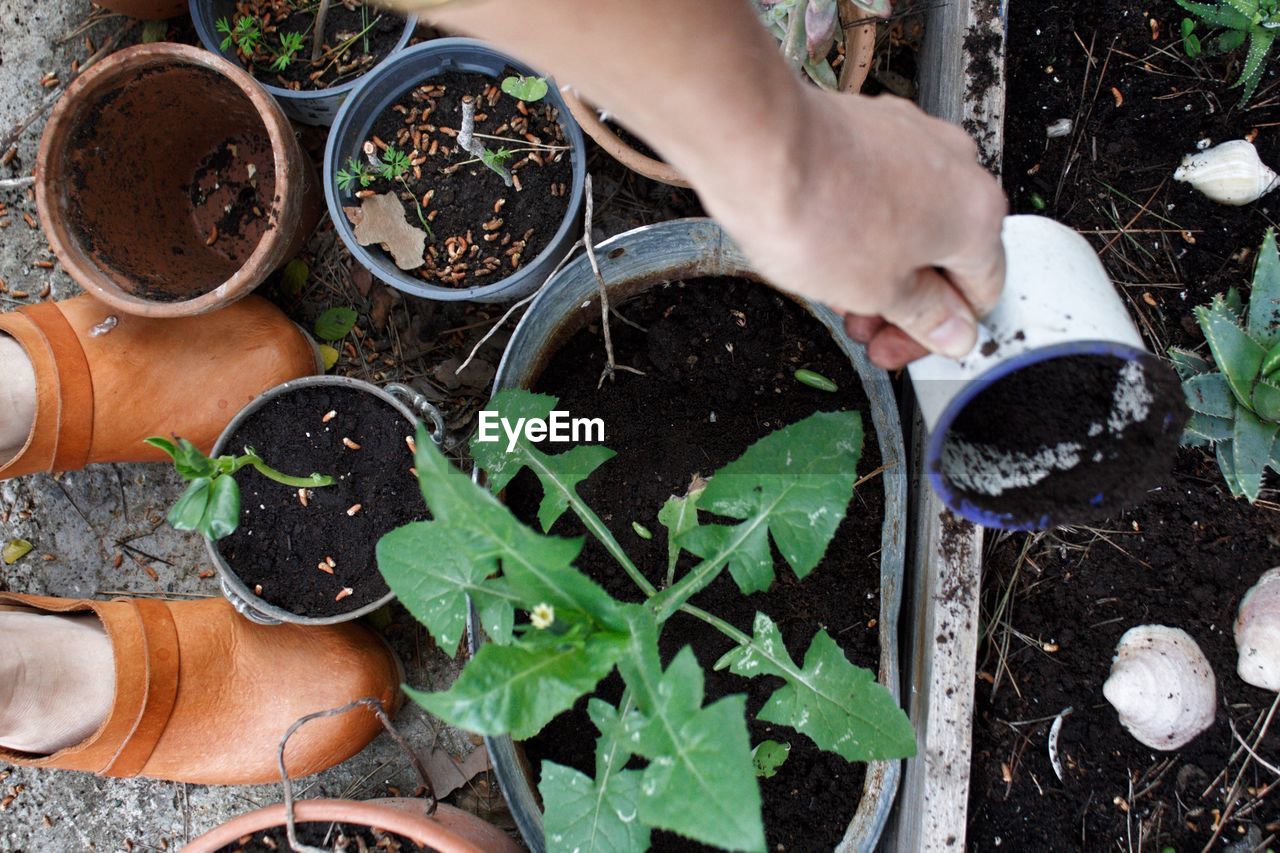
367, 813
384, 269
62, 123
197, 7
234, 588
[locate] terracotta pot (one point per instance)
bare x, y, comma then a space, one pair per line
147, 10
137, 167
859, 50
449, 830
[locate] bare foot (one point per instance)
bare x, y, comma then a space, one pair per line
17, 397
57, 680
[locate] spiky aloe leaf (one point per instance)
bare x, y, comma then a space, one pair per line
1188, 363
1260, 42
1202, 429
1225, 454
1266, 401
1237, 355
1264, 300
1218, 16
1251, 443
1210, 394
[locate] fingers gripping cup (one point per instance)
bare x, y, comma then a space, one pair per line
1060, 415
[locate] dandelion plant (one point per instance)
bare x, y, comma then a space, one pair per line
666, 758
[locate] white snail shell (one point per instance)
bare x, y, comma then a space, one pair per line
1162, 686
1258, 633
1230, 173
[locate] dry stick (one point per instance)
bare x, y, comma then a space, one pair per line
17, 183
1233, 793
12, 137
523, 302
611, 366
286, 782
473, 146
317, 30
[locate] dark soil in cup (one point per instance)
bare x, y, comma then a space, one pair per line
719, 357
327, 836
355, 40
280, 543
1188, 553
1075, 410
1184, 559
480, 229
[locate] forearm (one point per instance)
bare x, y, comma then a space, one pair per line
700, 80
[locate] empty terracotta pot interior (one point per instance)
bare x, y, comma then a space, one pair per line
168, 181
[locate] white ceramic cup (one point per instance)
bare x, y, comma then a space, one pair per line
1058, 302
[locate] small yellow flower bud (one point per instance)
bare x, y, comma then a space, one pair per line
542, 616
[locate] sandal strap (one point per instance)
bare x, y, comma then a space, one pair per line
75, 385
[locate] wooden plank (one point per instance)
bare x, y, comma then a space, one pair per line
962, 81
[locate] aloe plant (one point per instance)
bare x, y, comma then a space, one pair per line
807, 30
1235, 398
696, 775
1255, 21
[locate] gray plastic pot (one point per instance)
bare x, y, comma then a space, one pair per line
387, 84
630, 264
308, 106
409, 403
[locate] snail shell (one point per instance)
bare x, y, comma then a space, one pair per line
1258, 633
1162, 686
1230, 173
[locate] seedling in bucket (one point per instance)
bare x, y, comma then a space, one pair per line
1060, 415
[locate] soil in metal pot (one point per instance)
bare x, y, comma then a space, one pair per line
1070, 439
719, 357
355, 40
327, 835
280, 543
1057, 603
1184, 559
480, 229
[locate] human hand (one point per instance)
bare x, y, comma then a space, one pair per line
881, 212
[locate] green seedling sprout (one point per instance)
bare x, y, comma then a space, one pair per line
211, 502
815, 380
1235, 397
662, 746
244, 35
290, 45
1254, 21
528, 89
1190, 41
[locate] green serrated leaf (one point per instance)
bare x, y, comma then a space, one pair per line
1251, 445
584, 816
537, 568
1264, 301
294, 277
700, 781
1260, 41
841, 707
1188, 363
1266, 400
525, 88
679, 516
189, 510
794, 484
1217, 16
1207, 428
1225, 454
1271, 362
432, 568
222, 511
768, 756
519, 688
559, 474
14, 550
1237, 355
1210, 394
334, 324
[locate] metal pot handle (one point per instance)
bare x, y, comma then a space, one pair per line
422, 406
244, 608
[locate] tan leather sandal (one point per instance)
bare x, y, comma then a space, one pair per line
204, 695
98, 395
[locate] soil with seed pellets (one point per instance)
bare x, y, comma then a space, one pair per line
1056, 604
1068, 407
719, 357
279, 542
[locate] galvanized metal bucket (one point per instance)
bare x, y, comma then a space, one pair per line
409, 403
630, 264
